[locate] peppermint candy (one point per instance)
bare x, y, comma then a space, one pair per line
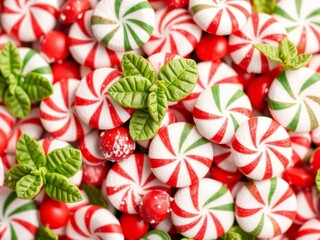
266, 208
57, 112
203, 210
260, 28
4, 38
165, 225
301, 143
127, 181
90, 152
30, 125
18, 218
220, 17
49, 144
7, 121
179, 156
261, 148
1, 174
219, 111
93, 222
223, 157
294, 104
315, 63
181, 114
29, 20
158, 60
234, 188
210, 73
300, 18
315, 136
175, 32
123, 25
85, 49
309, 230
92, 103
8, 160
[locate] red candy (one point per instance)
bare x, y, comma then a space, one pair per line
176, 3
53, 46
72, 10
315, 161
224, 176
94, 175
133, 227
64, 70
298, 176
3, 142
116, 144
212, 47
155, 206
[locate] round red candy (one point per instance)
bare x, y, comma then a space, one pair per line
298, 176
224, 176
73, 10
3, 142
176, 3
314, 161
133, 227
94, 175
116, 144
155, 206
54, 214
212, 47
53, 46
64, 70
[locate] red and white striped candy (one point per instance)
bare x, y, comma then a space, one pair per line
34, 62
309, 230
168, 119
28, 20
220, 110
30, 125
165, 225
220, 17
18, 217
8, 160
49, 144
93, 104
84, 70
57, 112
261, 148
86, 50
111, 208
204, 210
4, 38
301, 143
234, 188
90, 152
301, 19
315, 136
1, 174
315, 63
94, 222
181, 114
223, 157
174, 32
179, 155
260, 28
210, 73
128, 181
158, 60
307, 205
266, 208
76, 205
7, 121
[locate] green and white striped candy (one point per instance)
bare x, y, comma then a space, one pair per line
34, 62
294, 100
156, 235
123, 25
18, 217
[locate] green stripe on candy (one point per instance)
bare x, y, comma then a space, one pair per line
185, 133
315, 99
295, 121
42, 70
275, 105
258, 229
238, 94
117, 5
95, 20
8, 201
223, 189
197, 8
127, 45
298, 4
279, 11
315, 13
27, 58
273, 186
312, 117
290, 29
106, 39
199, 142
227, 207
234, 121
282, 78
162, 234
146, 27
215, 90
13, 233
314, 78
135, 36
137, 7
23, 208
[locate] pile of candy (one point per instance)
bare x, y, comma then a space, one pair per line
160, 119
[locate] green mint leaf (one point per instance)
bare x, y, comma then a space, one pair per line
3, 87
18, 104
159, 233
29, 186
298, 62
10, 61
59, 188
317, 180
29, 151
236, 233
45, 233
36, 86
65, 161
142, 126
131, 92
180, 77
157, 106
269, 51
288, 49
15, 173
264, 6
95, 196
135, 65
